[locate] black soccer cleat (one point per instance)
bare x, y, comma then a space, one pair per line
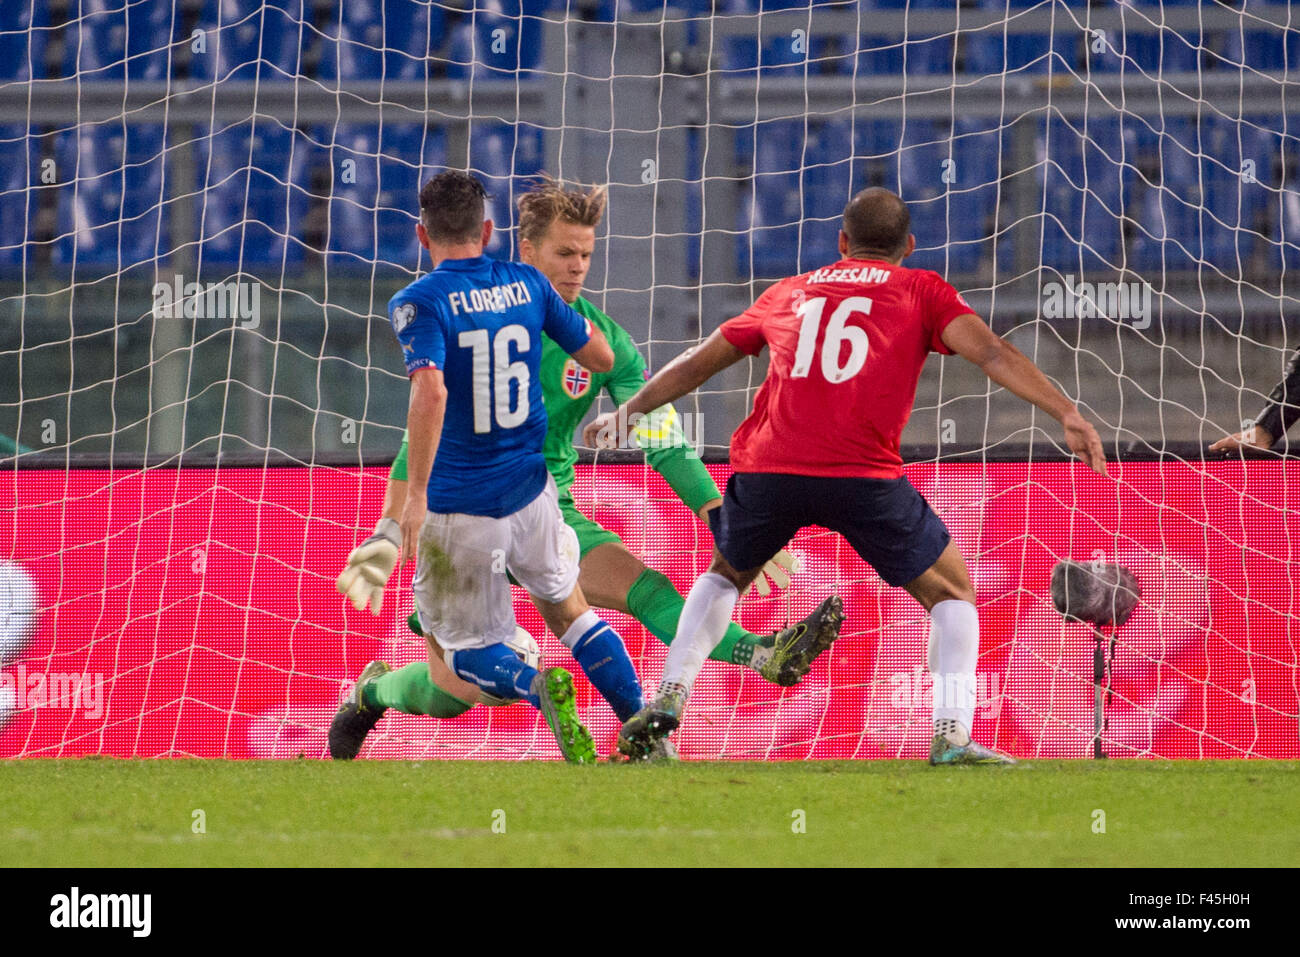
640, 735
797, 646
353, 721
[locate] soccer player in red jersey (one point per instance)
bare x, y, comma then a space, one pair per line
821, 447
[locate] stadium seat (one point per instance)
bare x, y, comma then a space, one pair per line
248, 40
110, 199
24, 34
1086, 176
373, 39
988, 51
496, 40
1153, 52
109, 40
1238, 167
1262, 49
505, 158
252, 182
1168, 195
375, 199
779, 57
18, 160
789, 214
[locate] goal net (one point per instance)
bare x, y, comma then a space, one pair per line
207, 204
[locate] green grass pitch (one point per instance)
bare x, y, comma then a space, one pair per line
106, 812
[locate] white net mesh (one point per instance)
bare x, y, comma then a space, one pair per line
207, 204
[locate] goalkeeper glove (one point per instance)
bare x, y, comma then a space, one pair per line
369, 566
779, 569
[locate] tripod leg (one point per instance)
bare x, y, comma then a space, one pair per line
1098, 679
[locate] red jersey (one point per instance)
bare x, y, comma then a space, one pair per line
848, 343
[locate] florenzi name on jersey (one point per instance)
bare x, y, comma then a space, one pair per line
491, 299
864, 274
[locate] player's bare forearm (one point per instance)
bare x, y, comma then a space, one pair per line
1016, 372
969, 337
394, 498
424, 426
684, 374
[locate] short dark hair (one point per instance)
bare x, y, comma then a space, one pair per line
877, 223
451, 207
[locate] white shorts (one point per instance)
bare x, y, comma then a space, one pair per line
461, 590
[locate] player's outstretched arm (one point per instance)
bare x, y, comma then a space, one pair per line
684, 374
371, 563
973, 340
596, 355
1279, 414
424, 426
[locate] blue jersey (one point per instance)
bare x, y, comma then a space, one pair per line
481, 322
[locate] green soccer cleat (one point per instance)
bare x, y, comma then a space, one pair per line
797, 646
640, 735
554, 688
353, 721
943, 751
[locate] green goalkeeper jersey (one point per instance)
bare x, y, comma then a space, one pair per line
568, 391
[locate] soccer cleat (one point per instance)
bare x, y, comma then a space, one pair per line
661, 750
943, 751
640, 735
554, 689
353, 721
797, 646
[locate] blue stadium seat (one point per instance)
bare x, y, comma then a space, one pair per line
254, 198
1168, 195
373, 39
24, 34
1086, 177
495, 40
110, 40
988, 52
1262, 49
606, 11
248, 40
505, 158
1237, 169
18, 161
881, 55
1154, 52
111, 200
374, 205
779, 57
802, 177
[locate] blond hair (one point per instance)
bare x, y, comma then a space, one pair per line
549, 201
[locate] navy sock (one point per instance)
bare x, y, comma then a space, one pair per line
497, 670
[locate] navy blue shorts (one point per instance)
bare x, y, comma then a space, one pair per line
886, 521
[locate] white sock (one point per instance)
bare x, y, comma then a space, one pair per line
581, 625
702, 626
954, 649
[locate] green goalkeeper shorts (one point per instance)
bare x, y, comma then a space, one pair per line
590, 534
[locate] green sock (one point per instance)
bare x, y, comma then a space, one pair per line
410, 690
655, 603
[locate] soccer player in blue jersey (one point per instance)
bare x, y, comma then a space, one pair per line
480, 502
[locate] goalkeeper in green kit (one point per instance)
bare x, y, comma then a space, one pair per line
557, 234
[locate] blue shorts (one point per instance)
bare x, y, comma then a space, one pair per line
886, 521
